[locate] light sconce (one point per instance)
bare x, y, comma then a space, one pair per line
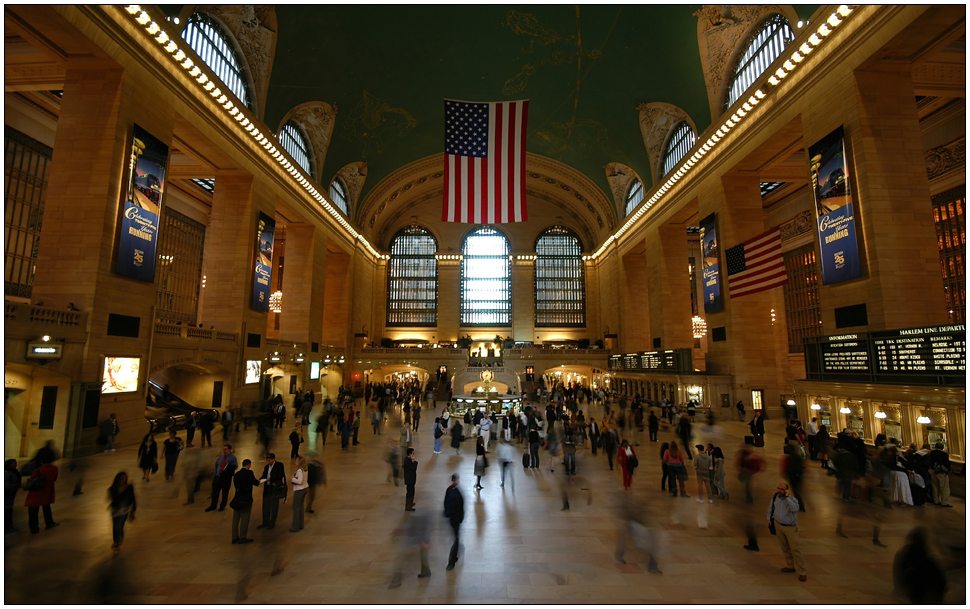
845, 410
923, 420
816, 407
276, 301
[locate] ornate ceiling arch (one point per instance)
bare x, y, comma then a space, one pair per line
555, 192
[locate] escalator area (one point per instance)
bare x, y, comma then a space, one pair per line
166, 411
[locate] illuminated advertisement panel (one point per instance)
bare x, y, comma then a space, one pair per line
142, 200
253, 370
712, 279
838, 247
263, 267
120, 374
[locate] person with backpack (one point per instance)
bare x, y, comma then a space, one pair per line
438, 432
40, 494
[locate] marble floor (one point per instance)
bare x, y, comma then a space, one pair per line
517, 546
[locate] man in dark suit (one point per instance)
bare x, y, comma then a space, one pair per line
242, 504
226, 466
274, 479
455, 513
757, 425
410, 477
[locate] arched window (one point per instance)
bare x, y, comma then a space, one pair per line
679, 144
634, 196
764, 47
338, 194
412, 279
211, 44
486, 279
294, 141
560, 279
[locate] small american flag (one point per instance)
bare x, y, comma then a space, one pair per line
756, 265
485, 162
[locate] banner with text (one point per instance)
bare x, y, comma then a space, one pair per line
709, 266
834, 208
142, 202
263, 268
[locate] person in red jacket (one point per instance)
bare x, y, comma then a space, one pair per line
41, 497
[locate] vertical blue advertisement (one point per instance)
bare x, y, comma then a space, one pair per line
142, 200
709, 266
263, 268
838, 246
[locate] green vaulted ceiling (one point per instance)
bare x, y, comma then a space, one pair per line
583, 68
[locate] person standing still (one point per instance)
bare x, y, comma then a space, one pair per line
455, 513
110, 429
242, 503
274, 479
41, 497
410, 478
226, 465
784, 510
300, 485
940, 475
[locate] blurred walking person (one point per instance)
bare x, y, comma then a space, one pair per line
455, 513
121, 497
148, 456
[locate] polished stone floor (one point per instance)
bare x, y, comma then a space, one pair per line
516, 546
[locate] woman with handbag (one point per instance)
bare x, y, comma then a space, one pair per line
148, 456
300, 486
676, 469
481, 462
627, 459
121, 503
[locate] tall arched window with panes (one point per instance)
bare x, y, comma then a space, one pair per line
763, 48
294, 140
412, 279
338, 194
679, 143
560, 279
634, 196
486, 279
214, 47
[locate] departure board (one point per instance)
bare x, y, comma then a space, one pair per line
933, 350
930, 355
651, 361
631, 361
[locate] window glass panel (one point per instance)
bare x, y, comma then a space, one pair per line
634, 196
412, 279
802, 310
763, 48
294, 142
212, 46
26, 163
951, 235
486, 279
338, 194
560, 281
680, 144
180, 246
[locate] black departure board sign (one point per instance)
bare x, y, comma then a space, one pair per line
651, 361
933, 350
630, 361
616, 362
935, 355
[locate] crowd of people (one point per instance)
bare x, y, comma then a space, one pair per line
866, 479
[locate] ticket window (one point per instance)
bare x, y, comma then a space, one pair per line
855, 420
892, 426
824, 414
696, 393
936, 430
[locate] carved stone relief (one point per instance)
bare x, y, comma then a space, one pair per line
720, 29
317, 119
946, 159
620, 177
353, 176
254, 27
802, 223
656, 121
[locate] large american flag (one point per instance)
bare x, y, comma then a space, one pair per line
485, 162
756, 265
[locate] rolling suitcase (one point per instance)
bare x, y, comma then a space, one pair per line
526, 460
759, 441
749, 440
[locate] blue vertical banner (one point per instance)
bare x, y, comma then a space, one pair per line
838, 246
263, 267
142, 199
709, 266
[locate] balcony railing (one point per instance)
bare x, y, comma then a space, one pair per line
169, 329
34, 315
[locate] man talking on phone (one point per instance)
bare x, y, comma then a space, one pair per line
783, 510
